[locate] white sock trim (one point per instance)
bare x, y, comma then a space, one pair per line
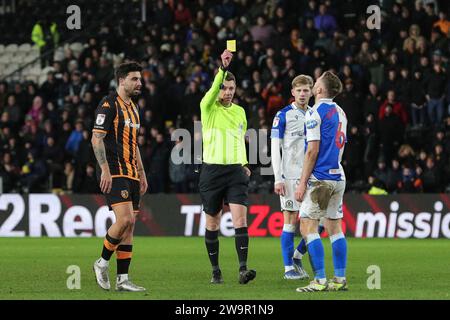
297, 254
289, 228
336, 236
122, 277
102, 262
288, 268
311, 237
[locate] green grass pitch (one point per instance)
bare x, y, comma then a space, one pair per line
177, 268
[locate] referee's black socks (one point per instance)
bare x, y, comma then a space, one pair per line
241, 241
212, 245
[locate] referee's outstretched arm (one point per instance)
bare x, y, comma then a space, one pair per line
212, 94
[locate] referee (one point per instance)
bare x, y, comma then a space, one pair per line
224, 175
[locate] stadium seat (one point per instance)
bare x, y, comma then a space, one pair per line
47, 70
59, 54
30, 57
76, 47
31, 77
19, 57
24, 47
5, 58
11, 47
41, 79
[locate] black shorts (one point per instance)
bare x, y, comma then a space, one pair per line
123, 190
222, 184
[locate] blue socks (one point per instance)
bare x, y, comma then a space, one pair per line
302, 245
316, 254
287, 243
339, 246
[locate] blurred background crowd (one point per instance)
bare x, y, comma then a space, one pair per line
396, 85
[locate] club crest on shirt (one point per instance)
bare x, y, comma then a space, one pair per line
100, 119
289, 204
276, 121
124, 194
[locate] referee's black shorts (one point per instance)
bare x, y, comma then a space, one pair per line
222, 183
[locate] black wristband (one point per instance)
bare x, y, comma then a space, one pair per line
223, 68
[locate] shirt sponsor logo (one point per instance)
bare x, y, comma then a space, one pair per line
130, 124
297, 133
311, 124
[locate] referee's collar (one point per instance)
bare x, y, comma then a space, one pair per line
226, 107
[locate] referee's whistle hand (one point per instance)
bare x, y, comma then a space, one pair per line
105, 182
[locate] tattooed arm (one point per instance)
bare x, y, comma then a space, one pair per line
100, 153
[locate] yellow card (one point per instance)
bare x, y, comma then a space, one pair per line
231, 45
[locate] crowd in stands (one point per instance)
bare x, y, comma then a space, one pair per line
396, 86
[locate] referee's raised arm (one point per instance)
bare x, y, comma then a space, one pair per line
212, 94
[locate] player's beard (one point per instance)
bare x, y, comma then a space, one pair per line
134, 92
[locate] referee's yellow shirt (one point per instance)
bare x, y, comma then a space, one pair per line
223, 128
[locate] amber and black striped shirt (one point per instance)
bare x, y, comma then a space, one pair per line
120, 122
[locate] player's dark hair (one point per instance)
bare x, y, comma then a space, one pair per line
230, 77
332, 83
125, 68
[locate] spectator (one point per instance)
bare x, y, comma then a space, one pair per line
418, 100
324, 21
9, 173
69, 174
372, 101
54, 156
394, 176
273, 98
36, 109
391, 132
178, 171
33, 174
350, 102
262, 32
162, 14
397, 108
88, 183
381, 173
49, 89
46, 37
159, 157
353, 156
410, 183
443, 24
435, 85
182, 15
431, 178
192, 99
76, 136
